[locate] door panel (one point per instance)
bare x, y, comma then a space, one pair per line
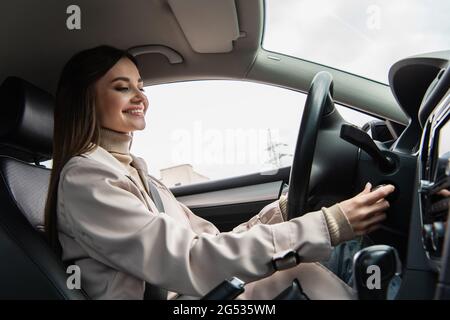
229, 202
252, 193
226, 217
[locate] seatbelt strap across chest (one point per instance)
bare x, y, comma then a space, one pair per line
154, 194
153, 292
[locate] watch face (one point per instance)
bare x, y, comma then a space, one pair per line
285, 260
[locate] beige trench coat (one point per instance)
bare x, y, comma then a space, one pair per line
117, 237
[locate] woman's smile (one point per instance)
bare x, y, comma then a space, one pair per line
135, 112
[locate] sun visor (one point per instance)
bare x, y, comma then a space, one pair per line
209, 26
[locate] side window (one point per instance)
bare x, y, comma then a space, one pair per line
206, 130
354, 117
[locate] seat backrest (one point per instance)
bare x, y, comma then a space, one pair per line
29, 269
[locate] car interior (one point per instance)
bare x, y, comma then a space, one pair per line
173, 41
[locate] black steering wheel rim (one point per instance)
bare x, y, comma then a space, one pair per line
320, 98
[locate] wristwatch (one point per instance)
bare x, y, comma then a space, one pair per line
285, 260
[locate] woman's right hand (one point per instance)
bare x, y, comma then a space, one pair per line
366, 210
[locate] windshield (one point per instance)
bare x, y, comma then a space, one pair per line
358, 36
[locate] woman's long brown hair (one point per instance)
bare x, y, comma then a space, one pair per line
76, 126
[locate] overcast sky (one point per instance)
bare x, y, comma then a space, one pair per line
220, 127
359, 36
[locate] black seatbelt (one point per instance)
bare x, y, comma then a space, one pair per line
153, 292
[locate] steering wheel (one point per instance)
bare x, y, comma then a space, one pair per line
319, 100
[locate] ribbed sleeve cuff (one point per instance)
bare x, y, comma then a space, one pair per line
338, 225
283, 206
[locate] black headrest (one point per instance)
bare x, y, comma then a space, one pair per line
26, 121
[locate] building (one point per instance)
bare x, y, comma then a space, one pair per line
179, 175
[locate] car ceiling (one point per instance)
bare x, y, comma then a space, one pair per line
38, 43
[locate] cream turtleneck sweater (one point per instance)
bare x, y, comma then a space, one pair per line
118, 144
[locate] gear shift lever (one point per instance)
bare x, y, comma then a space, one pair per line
373, 269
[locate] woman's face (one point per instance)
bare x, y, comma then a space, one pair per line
119, 98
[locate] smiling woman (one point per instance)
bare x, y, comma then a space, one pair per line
131, 237
79, 112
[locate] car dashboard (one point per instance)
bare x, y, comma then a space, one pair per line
427, 270
434, 176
